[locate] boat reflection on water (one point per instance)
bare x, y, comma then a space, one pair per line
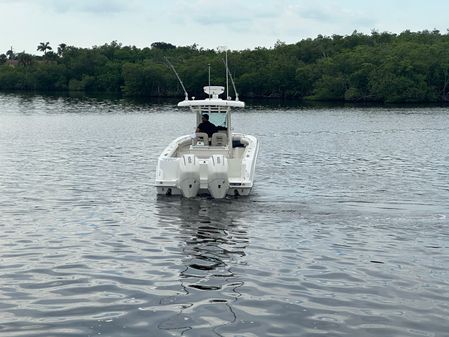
212, 238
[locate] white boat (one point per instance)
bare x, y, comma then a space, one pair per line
221, 165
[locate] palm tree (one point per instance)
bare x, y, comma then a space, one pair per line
44, 46
10, 54
61, 49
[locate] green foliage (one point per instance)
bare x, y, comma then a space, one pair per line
61, 49
15, 79
163, 45
330, 88
49, 76
84, 84
383, 67
44, 47
24, 59
10, 54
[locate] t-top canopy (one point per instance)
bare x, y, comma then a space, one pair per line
213, 90
211, 102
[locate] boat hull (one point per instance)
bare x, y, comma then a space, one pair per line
232, 191
189, 170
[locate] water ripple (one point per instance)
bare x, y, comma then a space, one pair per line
345, 233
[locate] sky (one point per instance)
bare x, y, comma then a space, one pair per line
236, 24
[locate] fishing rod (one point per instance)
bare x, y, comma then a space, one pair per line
179, 78
232, 80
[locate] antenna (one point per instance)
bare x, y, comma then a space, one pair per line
232, 80
227, 77
225, 49
179, 79
209, 80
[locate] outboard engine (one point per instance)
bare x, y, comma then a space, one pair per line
189, 176
218, 183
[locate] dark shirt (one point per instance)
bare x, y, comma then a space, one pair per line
208, 128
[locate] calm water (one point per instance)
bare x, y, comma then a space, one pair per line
346, 232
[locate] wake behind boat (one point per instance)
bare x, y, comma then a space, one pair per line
222, 163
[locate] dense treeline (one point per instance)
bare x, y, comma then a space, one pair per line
380, 67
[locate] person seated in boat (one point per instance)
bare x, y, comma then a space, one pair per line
206, 126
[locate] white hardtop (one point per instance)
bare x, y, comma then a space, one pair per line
213, 91
211, 102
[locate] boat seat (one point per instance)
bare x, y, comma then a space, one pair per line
219, 139
201, 137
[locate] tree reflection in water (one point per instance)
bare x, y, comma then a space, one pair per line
213, 238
